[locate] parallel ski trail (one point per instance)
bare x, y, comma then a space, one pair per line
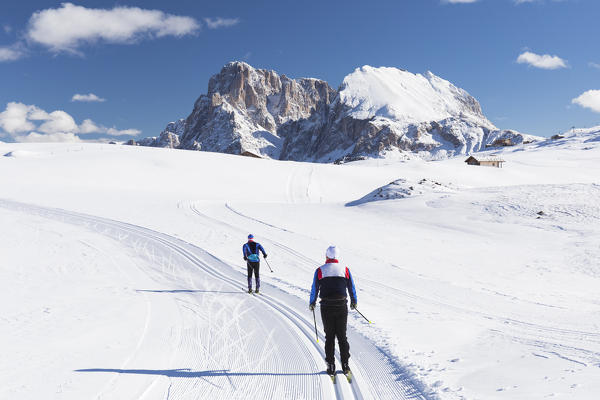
280, 380
523, 328
377, 378
380, 375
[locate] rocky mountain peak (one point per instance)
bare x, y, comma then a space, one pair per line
245, 106
242, 85
375, 112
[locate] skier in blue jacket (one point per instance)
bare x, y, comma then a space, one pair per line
251, 256
331, 281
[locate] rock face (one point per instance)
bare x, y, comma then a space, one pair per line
375, 112
168, 138
245, 107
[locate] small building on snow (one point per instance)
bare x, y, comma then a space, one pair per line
247, 153
491, 161
502, 143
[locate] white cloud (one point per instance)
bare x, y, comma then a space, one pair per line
58, 122
11, 53
589, 99
89, 126
70, 26
53, 137
594, 65
116, 132
544, 61
218, 22
25, 122
15, 118
90, 97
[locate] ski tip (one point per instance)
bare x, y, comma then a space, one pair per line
348, 376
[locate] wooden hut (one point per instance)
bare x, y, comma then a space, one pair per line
490, 161
502, 142
247, 153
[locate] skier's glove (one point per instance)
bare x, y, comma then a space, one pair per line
312, 306
264, 255
353, 306
245, 258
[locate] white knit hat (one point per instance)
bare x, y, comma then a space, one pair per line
332, 253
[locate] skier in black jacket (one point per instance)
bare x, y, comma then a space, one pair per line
332, 280
251, 256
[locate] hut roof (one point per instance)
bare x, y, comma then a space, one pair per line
485, 158
248, 153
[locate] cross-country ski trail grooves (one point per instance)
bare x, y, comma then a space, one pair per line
201, 336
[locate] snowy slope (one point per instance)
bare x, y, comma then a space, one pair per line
421, 114
405, 97
126, 268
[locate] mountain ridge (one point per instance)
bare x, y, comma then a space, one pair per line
375, 112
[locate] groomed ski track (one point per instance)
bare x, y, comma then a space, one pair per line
231, 345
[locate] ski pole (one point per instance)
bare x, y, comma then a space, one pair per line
361, 314
268, 264
315, 320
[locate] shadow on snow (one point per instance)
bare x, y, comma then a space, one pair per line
188, 373
188, 291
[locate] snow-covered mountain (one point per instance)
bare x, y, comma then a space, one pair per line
245, 108
374, 113
167, 138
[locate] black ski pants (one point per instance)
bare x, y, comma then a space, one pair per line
253, 267
335, 318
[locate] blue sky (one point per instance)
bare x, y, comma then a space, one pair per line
150, 60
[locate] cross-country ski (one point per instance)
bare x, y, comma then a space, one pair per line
348, 376
333, 377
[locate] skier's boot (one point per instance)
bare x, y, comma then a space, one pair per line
330, 369
347, 371
346, 368
250, 290
256, 291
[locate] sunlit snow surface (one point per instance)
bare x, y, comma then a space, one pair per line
121, 274
403, 96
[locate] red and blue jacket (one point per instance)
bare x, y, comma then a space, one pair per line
331, 281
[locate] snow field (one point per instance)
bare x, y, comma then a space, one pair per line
401, 95
62, 295
473, 294
217, 333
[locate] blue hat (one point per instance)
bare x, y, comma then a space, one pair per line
250, 236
